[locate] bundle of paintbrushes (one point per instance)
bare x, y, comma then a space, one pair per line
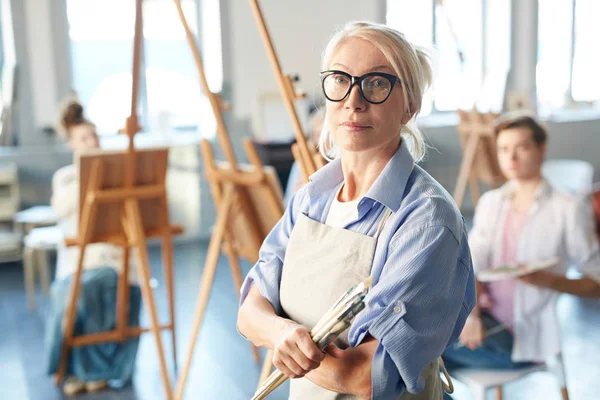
330, 326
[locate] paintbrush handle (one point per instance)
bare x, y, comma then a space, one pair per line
327, 334
337, 319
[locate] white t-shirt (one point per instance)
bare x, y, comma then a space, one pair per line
341, 214
65, 202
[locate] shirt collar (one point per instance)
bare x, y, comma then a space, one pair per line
543, 190
391, 182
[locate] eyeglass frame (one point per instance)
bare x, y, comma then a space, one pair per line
357, 80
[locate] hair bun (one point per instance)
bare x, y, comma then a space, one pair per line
71, 115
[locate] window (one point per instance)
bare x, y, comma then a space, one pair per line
8, 81
555, 24
568, 62
101, 34
471, 39
7, 40
585, 85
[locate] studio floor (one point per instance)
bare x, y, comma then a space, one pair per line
223, 367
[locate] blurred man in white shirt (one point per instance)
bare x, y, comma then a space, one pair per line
525, 221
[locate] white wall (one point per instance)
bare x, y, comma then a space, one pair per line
566, 139
299, 30
43, 66
41, 55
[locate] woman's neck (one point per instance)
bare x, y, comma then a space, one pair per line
525, 190
361, 169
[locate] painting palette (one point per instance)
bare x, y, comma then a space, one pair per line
511, 271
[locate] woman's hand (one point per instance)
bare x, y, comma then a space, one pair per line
473, 333
485, 301
295, 353
347, 371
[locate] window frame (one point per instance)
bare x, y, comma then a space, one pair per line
143, 104
435, 111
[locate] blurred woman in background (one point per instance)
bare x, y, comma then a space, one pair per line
89, 367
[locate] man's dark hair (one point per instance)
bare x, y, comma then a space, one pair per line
538, 132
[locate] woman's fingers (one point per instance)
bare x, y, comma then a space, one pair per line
307, 364
296, 354
309, 348
288, 366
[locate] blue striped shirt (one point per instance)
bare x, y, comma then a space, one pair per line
424, 285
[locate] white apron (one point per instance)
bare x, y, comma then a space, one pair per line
322, 262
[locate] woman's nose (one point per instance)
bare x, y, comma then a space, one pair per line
355, 100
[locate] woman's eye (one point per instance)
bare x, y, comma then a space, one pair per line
340, 79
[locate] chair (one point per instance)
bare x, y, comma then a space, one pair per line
480, 380
575, 176
26, 220
35, 258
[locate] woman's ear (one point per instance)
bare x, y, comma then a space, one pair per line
408, 115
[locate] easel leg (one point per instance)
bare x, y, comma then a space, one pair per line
237, 279
88, 219
42, 265
167, 253
135, 222
123, 296
210, 267
465, 170
69, 318
474, 188
167, 262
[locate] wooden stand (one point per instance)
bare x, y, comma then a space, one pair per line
476, 132
133, 207
308, 159
248, 202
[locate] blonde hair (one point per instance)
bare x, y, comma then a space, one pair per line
411, 65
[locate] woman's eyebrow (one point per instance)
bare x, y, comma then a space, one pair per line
380, 67
341, 65
377, 67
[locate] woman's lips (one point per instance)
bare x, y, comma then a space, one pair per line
354, 126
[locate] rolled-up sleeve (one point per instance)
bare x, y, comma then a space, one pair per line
266, 273
417, 307
581, 241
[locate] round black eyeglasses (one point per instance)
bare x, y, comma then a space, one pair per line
375, 87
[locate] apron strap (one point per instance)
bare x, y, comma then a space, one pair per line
448, 387
384, 219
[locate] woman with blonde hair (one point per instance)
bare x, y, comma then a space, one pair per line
89, 367
370, 212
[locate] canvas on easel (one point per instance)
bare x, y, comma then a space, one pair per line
479, 161
123, 201
248, 202
129, 215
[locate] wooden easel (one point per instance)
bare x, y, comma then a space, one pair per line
479, 162
248, 201
308, 159
128, 190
